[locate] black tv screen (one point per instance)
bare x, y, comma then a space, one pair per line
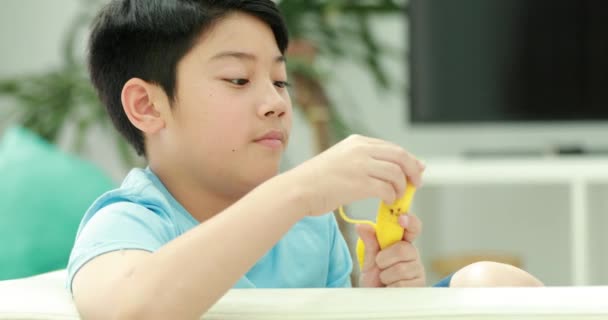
508, 60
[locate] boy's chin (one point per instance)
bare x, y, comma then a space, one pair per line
260, 176
263, 176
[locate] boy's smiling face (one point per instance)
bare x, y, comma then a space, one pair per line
231, 119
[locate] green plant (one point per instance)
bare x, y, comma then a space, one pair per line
47, 101
338, 29
341, 29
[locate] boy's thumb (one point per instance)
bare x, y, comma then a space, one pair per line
367, 234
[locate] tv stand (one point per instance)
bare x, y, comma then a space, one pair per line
577, 174
553, 151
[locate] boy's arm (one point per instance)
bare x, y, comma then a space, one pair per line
184, 278
187, 276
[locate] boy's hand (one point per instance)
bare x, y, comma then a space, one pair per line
396, 266
356, 168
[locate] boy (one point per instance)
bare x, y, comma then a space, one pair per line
199, 89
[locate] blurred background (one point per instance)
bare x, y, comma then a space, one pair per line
505, 100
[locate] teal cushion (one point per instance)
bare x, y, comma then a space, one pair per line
44, 193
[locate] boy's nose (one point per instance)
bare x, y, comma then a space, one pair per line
274, 104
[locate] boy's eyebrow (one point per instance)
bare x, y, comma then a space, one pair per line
243, 56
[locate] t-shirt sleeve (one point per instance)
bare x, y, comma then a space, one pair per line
340, 261
118, 226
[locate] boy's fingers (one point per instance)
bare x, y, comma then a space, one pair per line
400, 252
368, 236
417, 282
410, 166
412, 226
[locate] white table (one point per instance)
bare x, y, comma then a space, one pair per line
45, 298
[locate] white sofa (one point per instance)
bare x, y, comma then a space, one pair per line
44, 297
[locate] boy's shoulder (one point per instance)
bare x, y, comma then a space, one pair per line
139, 215
140, 188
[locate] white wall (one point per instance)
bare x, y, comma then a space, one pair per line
29, 33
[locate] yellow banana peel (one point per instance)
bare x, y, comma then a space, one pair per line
388, 230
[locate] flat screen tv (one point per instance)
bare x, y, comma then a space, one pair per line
504, 62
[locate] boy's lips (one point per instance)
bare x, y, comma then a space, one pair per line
272, 138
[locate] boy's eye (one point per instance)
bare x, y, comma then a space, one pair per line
238, 82
281, 84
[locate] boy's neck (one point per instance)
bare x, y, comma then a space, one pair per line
199, 202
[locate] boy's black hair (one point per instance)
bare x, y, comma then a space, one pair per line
147, 38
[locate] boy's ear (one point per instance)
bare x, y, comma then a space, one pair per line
138, 102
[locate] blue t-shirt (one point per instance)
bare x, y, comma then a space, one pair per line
143, 215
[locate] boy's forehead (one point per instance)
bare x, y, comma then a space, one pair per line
236, 33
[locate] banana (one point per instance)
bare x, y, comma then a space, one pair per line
388, 230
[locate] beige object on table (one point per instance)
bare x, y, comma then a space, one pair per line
446, 265
44, 297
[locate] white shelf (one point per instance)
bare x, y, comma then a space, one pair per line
576, 173
510, 171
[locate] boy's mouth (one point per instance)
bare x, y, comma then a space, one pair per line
273, 139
